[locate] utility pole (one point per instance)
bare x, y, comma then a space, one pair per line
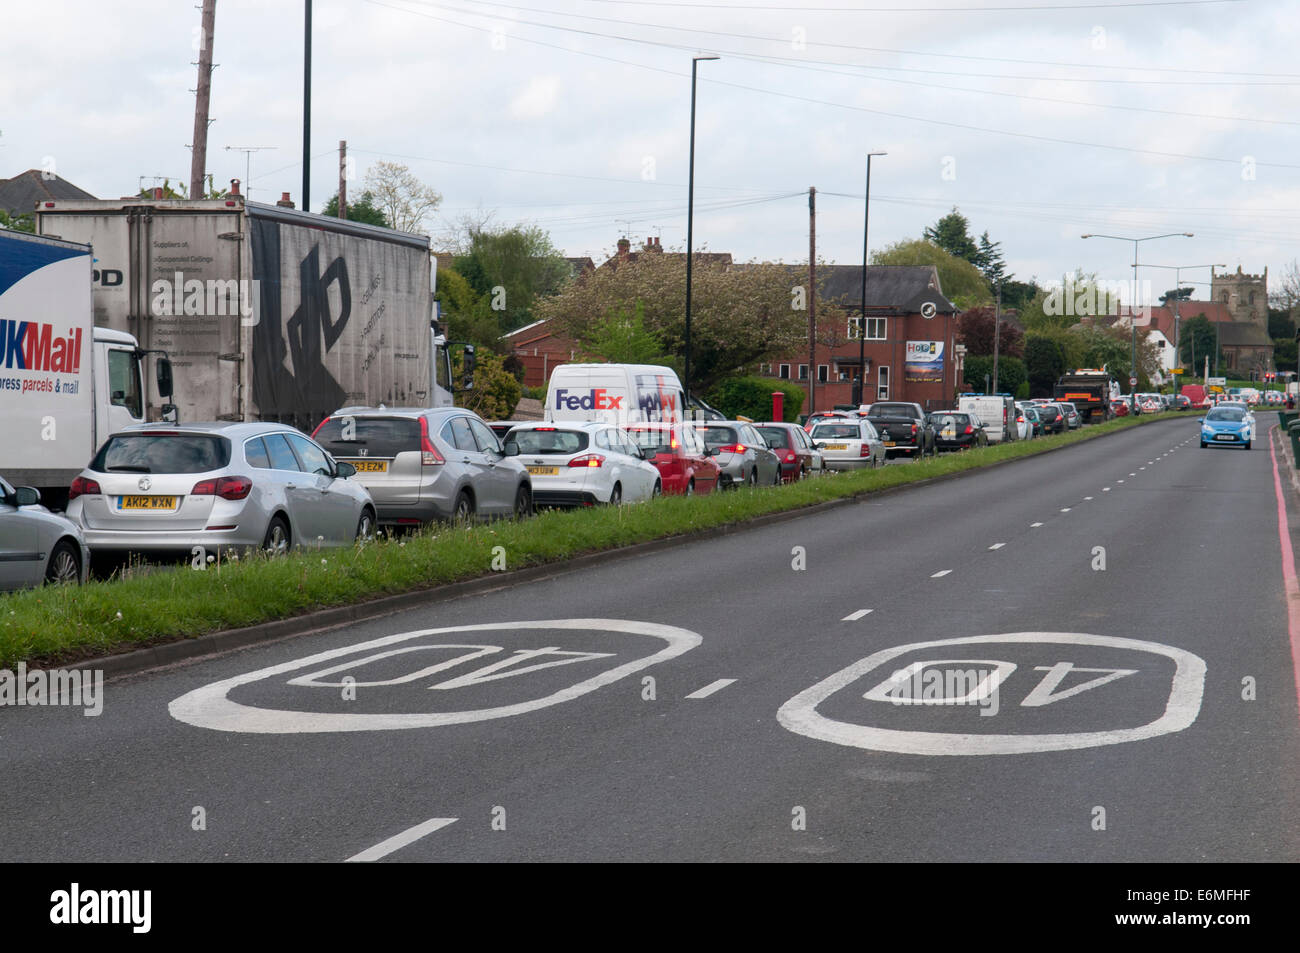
343, 178
997, 329
812, 299
306, 108
202, 100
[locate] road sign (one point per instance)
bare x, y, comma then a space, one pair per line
1132, 382
1217, 381
1178, 370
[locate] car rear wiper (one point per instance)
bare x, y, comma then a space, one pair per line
128, 469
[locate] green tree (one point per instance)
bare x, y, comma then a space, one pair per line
18, 223
1012, 374
496, 391
513, 268
1281, 326
623, 339
952, 234
1197, 341
1079, 295
405, 201
1284, 354
960, 281
361, 209
468, 317
990, 262
1045, 362
1016, 295
740, 316
180, 192
752, 397
975, 330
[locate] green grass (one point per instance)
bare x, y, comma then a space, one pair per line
57, 625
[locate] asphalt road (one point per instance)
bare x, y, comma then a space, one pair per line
1097, 750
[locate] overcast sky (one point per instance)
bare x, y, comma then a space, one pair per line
1039, 120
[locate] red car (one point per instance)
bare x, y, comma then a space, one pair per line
793, 448
821, 415
1119, 408
686, 465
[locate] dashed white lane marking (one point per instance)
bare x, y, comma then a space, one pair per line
1032, 525
1134, 474
1119, 481
1105, 489
398, 841
1087, 498
712, 687
997, 545
855, 616
1065, 509
941, 572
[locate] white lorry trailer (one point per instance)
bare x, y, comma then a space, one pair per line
65, 385
267, 312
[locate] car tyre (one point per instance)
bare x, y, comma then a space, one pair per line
64, 566
658, 491
523, 502
616, 495
366, 526
463, 511
690, 488
776, 479
278, 537
753, 477
1247, 444
1203, 444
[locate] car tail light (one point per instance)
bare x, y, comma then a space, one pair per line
83, 487
865, 450
913, 430
318, 427
587, 460
1020, 420
429, 455
790, 457
732, 448
228, 488
969, 429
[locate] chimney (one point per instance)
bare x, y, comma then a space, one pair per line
624, 246
652, 245
157, 192
234, 186
285, 201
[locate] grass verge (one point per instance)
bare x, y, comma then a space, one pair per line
53, 625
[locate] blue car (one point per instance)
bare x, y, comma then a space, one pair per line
1227, 426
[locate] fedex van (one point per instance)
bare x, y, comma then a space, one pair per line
614, 393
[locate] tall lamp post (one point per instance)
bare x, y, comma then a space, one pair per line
1133, 369
1178, 356
690, 232
860, 398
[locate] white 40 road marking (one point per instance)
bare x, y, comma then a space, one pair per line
211, 706
1187, 686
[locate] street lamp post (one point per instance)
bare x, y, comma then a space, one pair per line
1133, 305
859, 398
690, 227
1178, 285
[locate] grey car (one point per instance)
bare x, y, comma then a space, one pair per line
423, 464
1072, 418
219, 486
741, 453
36, 545
850, 444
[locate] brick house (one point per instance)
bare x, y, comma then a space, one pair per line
910, 349
21, 194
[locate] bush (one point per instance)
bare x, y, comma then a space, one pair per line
752, 397
1011, 373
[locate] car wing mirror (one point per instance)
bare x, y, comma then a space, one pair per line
344, 470
26, 496
511, 449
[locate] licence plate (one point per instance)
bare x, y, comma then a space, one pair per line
948, 434
543, 471
837, 446
146, 503
1224, 436
890, 443
370, 466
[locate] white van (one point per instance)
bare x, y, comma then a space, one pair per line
996, 411
620, 394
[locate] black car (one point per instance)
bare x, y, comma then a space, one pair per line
1053, 419
954, 430
1180, 402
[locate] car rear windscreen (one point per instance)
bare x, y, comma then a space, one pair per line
841, 431
717, 436
162, 453
369, 436
561, 442
949, 420
891, 410
775, 436
651, 438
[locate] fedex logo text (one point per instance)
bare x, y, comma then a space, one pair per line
595, 399
30, 346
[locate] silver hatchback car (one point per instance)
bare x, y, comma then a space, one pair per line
741, 453
423, 464
36, 545
164, 487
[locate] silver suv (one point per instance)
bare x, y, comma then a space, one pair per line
423, 464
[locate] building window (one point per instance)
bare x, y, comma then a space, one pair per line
823, 373
785, 372
875, 329
765, 369
882, 387
843, 375
803, 372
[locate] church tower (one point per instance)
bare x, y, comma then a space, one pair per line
1245, 296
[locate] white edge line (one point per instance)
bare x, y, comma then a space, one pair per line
710, 688
941, 572
398, 841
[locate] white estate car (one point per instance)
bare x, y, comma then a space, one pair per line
578, 463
